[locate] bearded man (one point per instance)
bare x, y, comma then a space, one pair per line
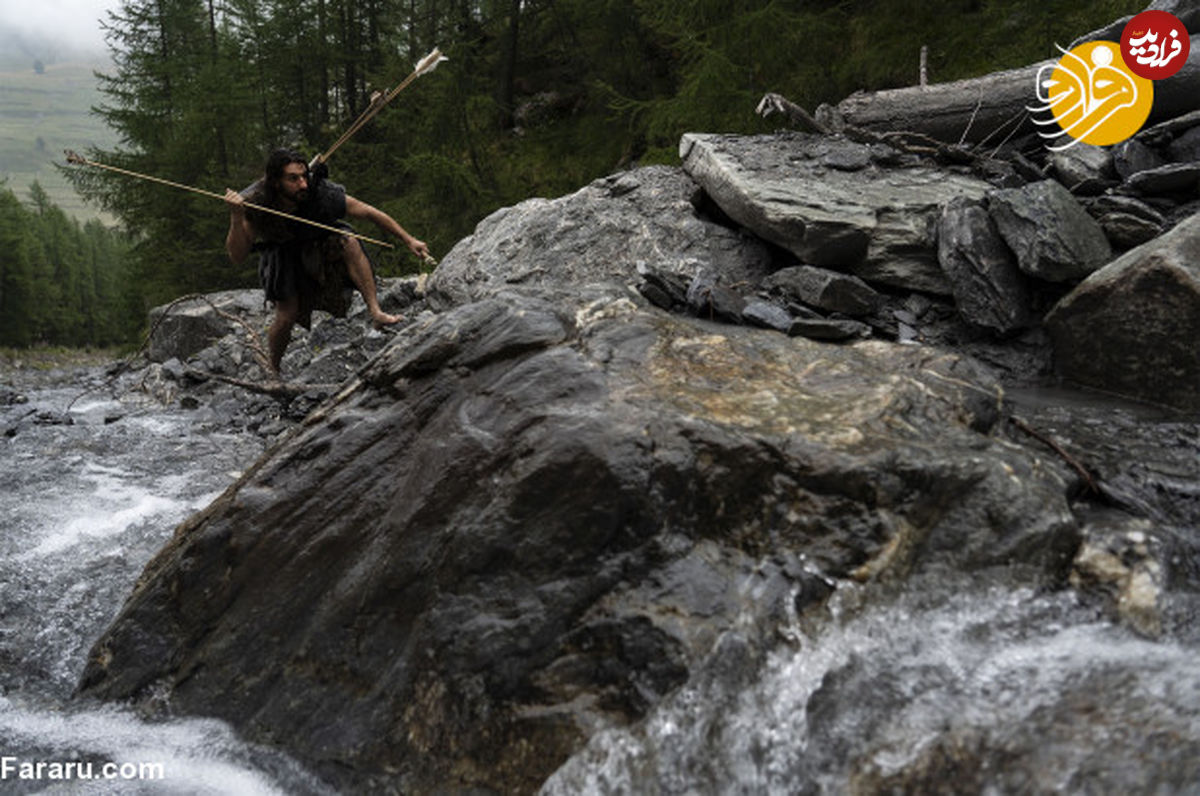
305, 268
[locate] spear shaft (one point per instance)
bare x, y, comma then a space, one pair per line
72, 157
425, 65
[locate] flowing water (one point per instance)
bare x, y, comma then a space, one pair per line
87, 496
944, 683
956, 687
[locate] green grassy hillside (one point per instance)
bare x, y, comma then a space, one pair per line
40, 116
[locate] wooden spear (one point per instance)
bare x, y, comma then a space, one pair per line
380, 99
79, 160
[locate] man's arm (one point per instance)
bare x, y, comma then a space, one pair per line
364, 211
240, 237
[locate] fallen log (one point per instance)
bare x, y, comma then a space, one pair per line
988, 109
970, 111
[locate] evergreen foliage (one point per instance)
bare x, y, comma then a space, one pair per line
60, 283
539, 97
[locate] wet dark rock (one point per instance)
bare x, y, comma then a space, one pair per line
1052, 235
875, 222
767, 315
824, 289
527, 518
1126, 230
1083, 169
989, 289
1132, 156
1171, 179
1131, 742
1131, 327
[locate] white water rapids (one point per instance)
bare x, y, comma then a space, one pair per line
1028, 678
84, 506
888, 692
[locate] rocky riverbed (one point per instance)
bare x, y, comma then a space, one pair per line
663, 486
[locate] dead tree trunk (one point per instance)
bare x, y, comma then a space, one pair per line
989, 108
965, 110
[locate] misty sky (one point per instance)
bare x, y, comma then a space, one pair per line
75, 23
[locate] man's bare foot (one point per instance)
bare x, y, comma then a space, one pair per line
382, 319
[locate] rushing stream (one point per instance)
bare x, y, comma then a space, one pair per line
945, 681
885, 697
85, 505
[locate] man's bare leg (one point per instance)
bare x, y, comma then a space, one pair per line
280, 332
360, 274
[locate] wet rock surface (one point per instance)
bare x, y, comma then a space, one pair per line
521, 506
1131, 326
646, 495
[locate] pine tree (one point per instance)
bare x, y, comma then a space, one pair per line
16, 278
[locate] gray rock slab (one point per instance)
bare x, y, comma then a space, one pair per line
830, 329
1117, 203
1173, 178
191, 326
1134, 155
1082, 165
1126, 230
767, 315
876, 222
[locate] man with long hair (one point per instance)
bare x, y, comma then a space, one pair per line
305, 268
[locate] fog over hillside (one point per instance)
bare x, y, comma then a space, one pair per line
49, 52
52, 30
47, 91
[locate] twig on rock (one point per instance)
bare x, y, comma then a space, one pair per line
283, 390
1068, 458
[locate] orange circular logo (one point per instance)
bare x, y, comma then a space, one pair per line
1092, 96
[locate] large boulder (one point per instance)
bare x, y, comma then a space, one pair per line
528, 520
598, 235
1131, 327
857, 208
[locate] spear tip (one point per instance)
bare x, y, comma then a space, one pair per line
74, 157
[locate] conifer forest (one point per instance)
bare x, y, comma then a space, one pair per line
537, 98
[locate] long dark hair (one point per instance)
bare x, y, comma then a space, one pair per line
276, 162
